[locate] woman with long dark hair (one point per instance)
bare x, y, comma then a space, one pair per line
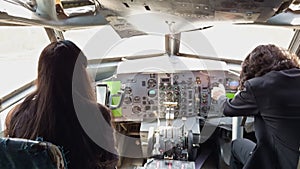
269, 91
63, 110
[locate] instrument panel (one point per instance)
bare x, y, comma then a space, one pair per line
167, 95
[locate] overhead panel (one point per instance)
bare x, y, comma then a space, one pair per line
194, 11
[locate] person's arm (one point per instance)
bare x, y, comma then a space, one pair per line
243, 103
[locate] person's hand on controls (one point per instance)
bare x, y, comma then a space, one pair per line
218, 91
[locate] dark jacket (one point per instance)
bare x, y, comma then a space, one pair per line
274, 101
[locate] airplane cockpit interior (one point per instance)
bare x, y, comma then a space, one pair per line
153, 64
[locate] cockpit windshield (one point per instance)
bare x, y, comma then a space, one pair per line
20, 46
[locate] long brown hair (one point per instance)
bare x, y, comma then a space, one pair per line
49, 112
266, 58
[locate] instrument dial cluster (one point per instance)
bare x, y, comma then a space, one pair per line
153, 95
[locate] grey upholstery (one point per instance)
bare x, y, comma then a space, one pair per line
16, 153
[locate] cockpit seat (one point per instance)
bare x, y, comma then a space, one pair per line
298, 167
16, 153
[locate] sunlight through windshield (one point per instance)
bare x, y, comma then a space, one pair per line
21, 46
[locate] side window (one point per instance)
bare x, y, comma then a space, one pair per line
20, 48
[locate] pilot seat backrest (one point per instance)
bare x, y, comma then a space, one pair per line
298, 167
16, 153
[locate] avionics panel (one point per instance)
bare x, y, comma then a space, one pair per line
167, 87
150, 95
155, 95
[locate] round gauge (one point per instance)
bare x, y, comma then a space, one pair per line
128, 90
169, 87
136, 109
169, 95
233, 85
127, 100
137, 99
151, 102
176, 88
151, 83
162, 94
161, 101
161, 86
176, 93
152, 93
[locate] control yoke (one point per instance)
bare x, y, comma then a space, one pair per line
119, 95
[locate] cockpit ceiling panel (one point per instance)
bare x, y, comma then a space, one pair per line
206, 10
193, 11
118, 12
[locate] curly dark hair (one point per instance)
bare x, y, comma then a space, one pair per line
266, 58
